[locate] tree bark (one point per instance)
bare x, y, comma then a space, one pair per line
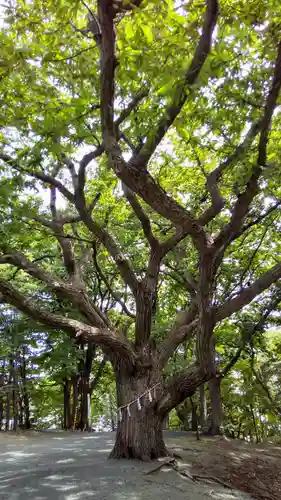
194, 420
183, 412
25, 396
2, 381
203, 407
74, 382
215, 394
66, 405
111, 412
15, 392
139, 434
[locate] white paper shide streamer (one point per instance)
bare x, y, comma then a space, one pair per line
151, 393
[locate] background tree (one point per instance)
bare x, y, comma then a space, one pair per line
156, 129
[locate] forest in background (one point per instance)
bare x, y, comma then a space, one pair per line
48, 381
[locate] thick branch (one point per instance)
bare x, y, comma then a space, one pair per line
87, 158
62, 289
183, 329
65, 243
101, 336
247, 336
214, 177
185, 383
134, 175
242, 205
48, 179
108, 286
188, 322
108, 242
202, 51
248, 294
98, 374
141, 215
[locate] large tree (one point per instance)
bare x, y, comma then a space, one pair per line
158, 125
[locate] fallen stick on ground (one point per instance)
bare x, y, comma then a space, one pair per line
170, 463
212, 478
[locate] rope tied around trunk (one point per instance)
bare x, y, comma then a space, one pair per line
151, 392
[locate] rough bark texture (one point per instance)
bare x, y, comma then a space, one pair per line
140, 435
66, 405
214, 388
203, 407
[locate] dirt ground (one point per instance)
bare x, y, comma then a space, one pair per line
255, 469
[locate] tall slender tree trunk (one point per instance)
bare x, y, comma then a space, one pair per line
25, 397
8, 408
84, 387
74, 382
139, 431
183, 413
111, 411
1, 410
84, 422
203, 407
15, 393
194, 419
66, 405
215, 394
2, 381
8, 400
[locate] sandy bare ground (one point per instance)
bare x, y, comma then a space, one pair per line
74, 466
255, 469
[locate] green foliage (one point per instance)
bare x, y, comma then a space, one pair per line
50, 110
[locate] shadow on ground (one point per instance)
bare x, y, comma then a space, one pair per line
75, 467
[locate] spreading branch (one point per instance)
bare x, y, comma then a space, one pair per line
187, 321
108, 286
248, 294
247, 336
244, 201
181, 93
61, 288
141, 215
104, 337
134, 175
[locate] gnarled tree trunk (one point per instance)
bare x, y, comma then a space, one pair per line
139, 432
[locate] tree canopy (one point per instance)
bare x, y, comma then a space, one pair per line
140, 180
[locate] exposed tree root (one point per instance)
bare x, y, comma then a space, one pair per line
212, 478
185, 473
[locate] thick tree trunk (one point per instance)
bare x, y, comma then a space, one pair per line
139, 432
214, 388
165, 425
